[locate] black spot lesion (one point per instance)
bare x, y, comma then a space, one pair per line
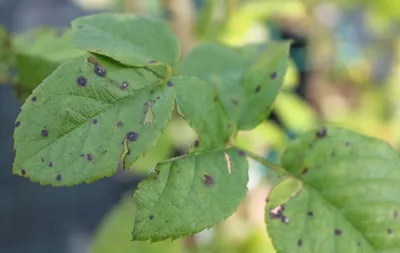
50, 164
89, 157
170, 84
23, 172
208, 180
34, 98
273, 75
81, 81
17, 124
196, 143
151, 217
310, 213
258, 88
389, 231
118, 124
100, 70
234, 101
395, 214
124, 85
322, 132
94, 121
45, 133
338, 232
58, 178
304, 171
132, 136
300, 242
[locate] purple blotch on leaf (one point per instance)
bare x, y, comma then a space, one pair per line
170, 84
338, 232
45, 133
94, 121
100, 70
299, 242
23, 172
321, 133
50, 164
208, 180
81, 81
132, 136
34, 99
17, 123
274, 75
196, 143
124, 85
58, 177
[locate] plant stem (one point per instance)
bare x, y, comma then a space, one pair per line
265, 162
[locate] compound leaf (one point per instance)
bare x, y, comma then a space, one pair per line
189, 194
87, 119
131, 40
247, 79
198, 102
342, 197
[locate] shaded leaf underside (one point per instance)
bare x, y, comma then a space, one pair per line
78, 124
344, 197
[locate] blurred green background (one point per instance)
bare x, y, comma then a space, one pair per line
344, 70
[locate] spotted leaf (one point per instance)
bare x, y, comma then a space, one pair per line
189, 194
88, 119
342, 195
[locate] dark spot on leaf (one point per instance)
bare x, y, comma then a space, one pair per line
196, 143
158, 97
338, 232
119, 124
170, 84
234, 101
42, 159
104, 151
389, 231
94, 121
45, 133
228, 125
395, 214
58, 177
23, 172
34, 99
93, 60
285, 219
208, 180
215, 98
267, 200
124, 85
82, 155
81, 81
17, 124
347, 143
304, 171
152, 61
89, 157
310, 213
321, 133
274, 75
299, 242
151, 217
258, 88
241, 153
132, 136
100, 70
129, 152
50, 164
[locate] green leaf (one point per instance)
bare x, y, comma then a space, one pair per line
80, 122
7, 60
114, 233
189, 194
39, 52
342, 195
247, 79
131, 40
198, 102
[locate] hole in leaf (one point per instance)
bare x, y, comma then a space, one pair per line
321, 133
50, 164
58, 177
45, 133
132, 136
81, 81
208, 180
